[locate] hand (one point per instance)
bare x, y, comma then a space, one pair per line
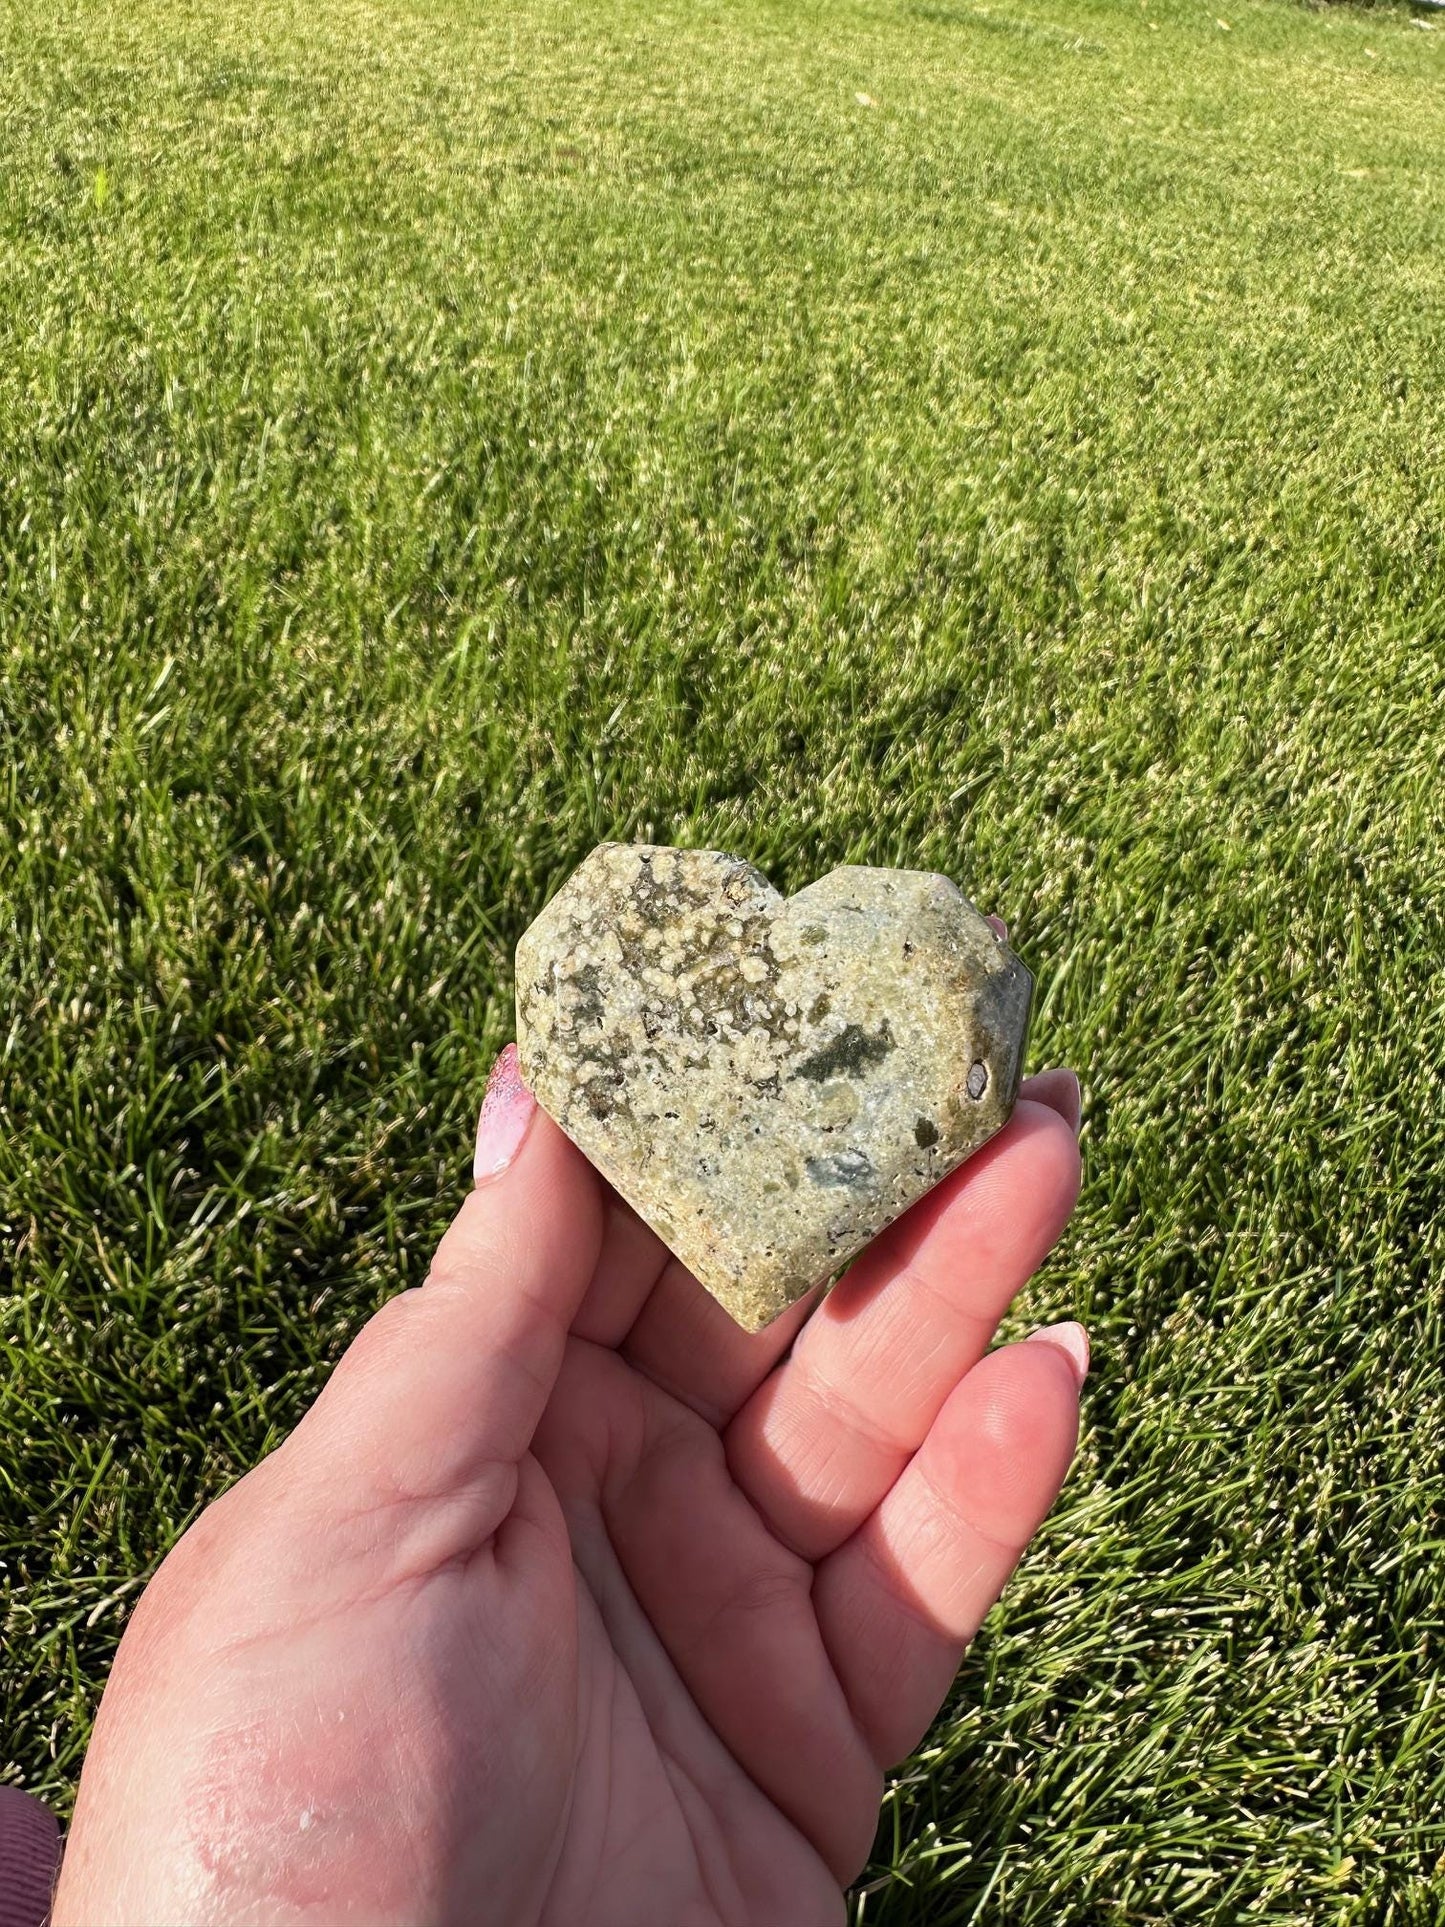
569, 1601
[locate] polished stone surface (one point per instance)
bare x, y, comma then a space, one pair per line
768, 1081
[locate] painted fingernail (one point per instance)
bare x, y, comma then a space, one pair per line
1001, 927
1071, 1339
507, 1112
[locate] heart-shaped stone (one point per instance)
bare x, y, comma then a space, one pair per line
767, 1080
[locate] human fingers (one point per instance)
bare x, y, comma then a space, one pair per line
826, 1435
683, 1340
900, 1601
686, 1343
669, 1327
1058, 1089
631, 1260
439, 1395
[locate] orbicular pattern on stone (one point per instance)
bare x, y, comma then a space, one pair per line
767, 1080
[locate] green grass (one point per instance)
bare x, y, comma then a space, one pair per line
1002, 438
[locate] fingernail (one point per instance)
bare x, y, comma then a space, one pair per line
1059, 1089
507, 1111
1071, 1339
1001, 927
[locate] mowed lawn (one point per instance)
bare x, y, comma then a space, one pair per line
1006, 439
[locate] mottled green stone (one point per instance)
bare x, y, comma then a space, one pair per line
767, 1080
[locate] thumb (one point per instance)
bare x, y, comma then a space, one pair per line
439, 1395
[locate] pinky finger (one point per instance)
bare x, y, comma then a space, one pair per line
899, 1601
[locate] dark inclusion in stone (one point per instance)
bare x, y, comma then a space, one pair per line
757, 1075
851, 1050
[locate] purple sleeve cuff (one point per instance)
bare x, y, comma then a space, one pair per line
29, 1859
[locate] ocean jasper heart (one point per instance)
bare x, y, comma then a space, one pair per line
767, 1080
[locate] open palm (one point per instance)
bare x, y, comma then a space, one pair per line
569, 1602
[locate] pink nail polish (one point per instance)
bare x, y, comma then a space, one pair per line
1000, 928
507, 1111
1071, 1339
